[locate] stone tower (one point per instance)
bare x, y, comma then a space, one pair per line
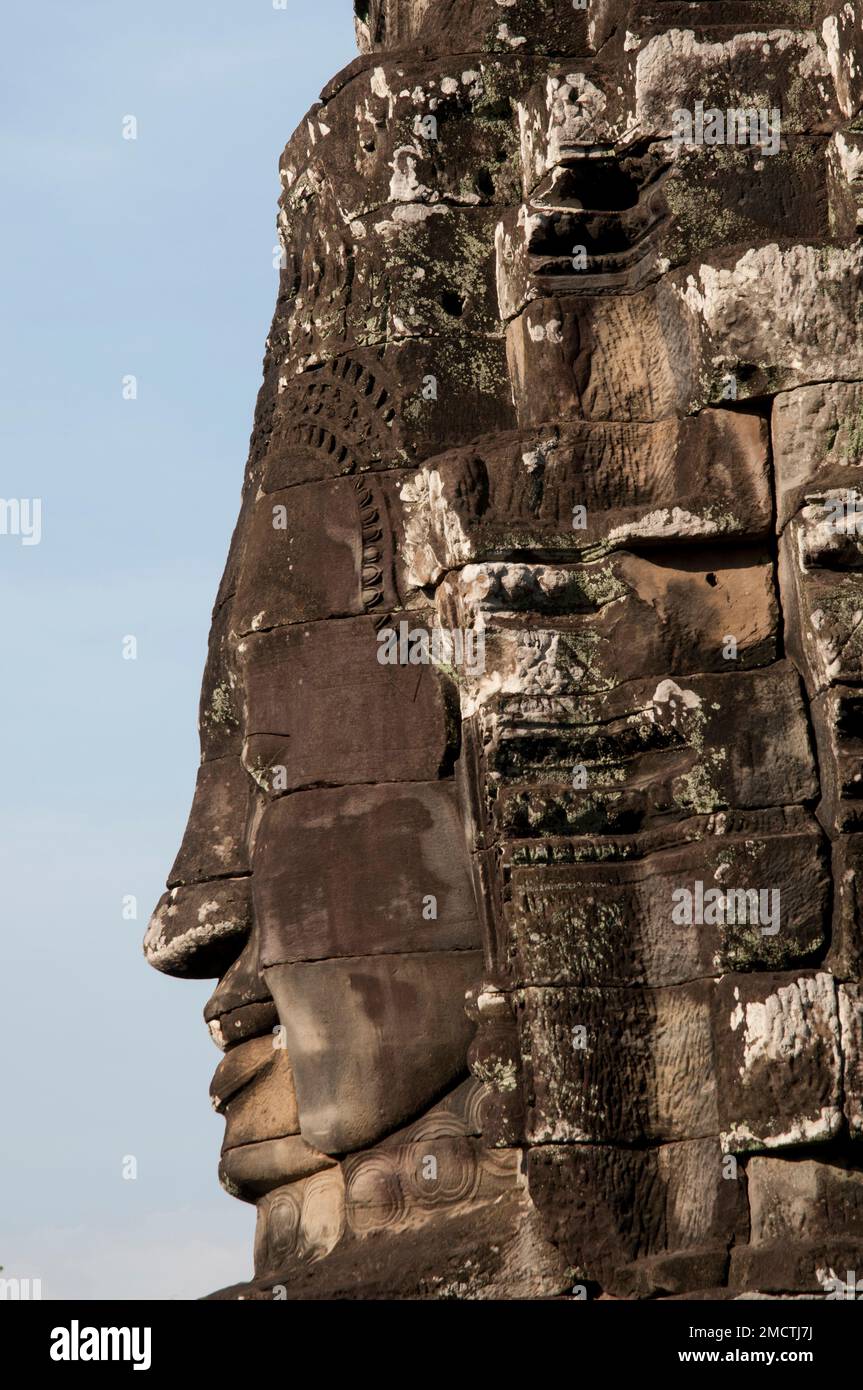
525, 838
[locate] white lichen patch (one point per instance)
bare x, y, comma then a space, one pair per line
526, 664
514, 40
501, 1076
379, 84
798, 1021
406, 215
433, 538
673, 64
805, 1130
539, 457
670, 522
668, 692
171, 954
844, 55
551, 331
405, 187
790, 310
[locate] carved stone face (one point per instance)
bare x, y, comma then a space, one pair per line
324, 872
548, 370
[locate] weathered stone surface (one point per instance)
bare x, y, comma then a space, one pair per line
784, 1200
776, 319
823, 602
241, 987
314, 551
318, 905
251, 1170
699, 478
238, 1067
214, 844
266, 1106
407, 1042
594, 628
323, 427
844, 45
472, 26
300, 680
246, 1021
836, 717
490, 1250
810, 1211
673, 69
396, 1220
220, 710
667, 746
618, 924
817, 435
778, 1060
599, 359
846, 956
721, 204
627, 1066
194, 930
850, 999
643, 1222
795, 1269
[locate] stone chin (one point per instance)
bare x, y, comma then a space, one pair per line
407, 1037
297, 1096
253, 1088
253, 1170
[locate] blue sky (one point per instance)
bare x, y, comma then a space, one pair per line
150, 258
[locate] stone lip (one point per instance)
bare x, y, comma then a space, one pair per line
239, 1067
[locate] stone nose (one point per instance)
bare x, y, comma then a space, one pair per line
200, 924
